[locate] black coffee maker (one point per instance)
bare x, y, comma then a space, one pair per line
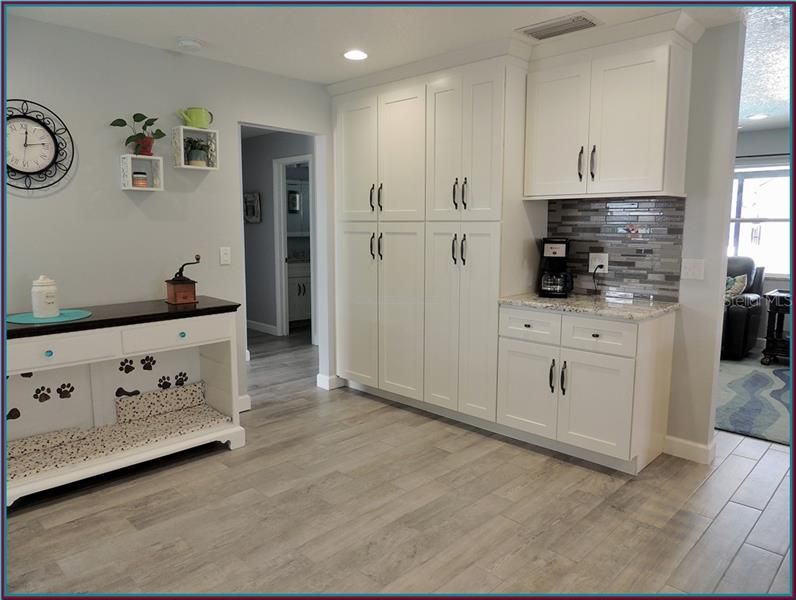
555, 281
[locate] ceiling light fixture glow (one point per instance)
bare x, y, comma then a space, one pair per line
757, 117
355, 55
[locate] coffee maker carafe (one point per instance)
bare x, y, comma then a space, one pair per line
555, 281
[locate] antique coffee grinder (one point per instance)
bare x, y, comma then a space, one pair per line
181, 289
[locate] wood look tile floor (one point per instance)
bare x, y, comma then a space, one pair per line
341, 492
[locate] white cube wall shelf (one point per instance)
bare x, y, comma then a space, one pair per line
178, 136
151, 165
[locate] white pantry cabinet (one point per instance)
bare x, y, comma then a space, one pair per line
611, 400
464, 143
380, 305
380, 155
611, 121
462, 267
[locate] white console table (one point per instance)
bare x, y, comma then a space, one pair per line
126, 331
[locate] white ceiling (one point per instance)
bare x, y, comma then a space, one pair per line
308, 42
766, 68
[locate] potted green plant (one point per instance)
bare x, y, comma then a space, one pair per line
143, 138
196, 152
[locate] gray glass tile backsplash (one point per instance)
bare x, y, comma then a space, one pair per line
642, 236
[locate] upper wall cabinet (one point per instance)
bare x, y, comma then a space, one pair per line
464, 144
380, 155
611, 124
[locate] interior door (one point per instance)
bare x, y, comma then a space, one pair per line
557, 130
627, 131
400, 248
442, 314
595, 405
528, 386
355, 154
483, 90
401, 191
357, 305
479, 252
444, 147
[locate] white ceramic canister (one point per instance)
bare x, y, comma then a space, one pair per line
44, 297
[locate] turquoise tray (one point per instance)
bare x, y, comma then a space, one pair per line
68, 314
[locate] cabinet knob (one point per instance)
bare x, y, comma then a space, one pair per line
49, 353
183, 334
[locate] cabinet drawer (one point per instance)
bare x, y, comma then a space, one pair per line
597, 335
62, 349
173, 334
530, 325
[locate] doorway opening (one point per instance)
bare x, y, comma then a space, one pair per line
279, 239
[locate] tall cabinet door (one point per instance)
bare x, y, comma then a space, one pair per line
402, 154
479, 252
355, 154
483, 89
627, 132
557, 131
357, 305
442, 314
400, 247
528, 386
595, 405
444, 147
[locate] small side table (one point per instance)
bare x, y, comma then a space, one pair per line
777, 344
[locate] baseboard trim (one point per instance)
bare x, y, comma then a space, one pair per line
244, 403
700, 453
262, 327
329, 382
626, 466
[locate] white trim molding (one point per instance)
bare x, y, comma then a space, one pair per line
244, 403
262, 327
329, 382
700, 453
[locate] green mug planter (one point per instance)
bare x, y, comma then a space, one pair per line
143, 139
196, 152
197, 117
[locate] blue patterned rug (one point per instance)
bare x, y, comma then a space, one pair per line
754, 400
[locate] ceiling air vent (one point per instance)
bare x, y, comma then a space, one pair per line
560, 26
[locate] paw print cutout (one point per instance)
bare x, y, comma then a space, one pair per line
13, 414
126, 365
42, 394
26, 375
65, 390
180, 378
164, 382
148, 362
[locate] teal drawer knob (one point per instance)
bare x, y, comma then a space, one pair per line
183, 334
49, 353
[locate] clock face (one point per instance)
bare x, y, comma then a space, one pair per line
40, 151
30, 145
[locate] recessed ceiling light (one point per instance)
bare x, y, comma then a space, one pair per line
355, 55
740, 126
757, 117
188, 44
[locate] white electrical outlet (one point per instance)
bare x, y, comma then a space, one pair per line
598, 258
225, 255
693, 268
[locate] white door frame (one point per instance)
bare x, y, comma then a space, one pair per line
280, 240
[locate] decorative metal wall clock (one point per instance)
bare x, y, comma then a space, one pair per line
39, 148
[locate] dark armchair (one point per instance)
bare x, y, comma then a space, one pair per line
742, 313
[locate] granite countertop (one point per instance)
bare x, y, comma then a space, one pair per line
631, 310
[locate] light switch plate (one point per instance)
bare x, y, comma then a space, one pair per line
693, 268
598, 258
225, 255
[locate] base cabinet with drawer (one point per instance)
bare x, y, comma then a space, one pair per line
590, 384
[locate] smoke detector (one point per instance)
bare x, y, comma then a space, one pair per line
559, 26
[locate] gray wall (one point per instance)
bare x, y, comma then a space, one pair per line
763, 141
103, 245
258, 176
712, 133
